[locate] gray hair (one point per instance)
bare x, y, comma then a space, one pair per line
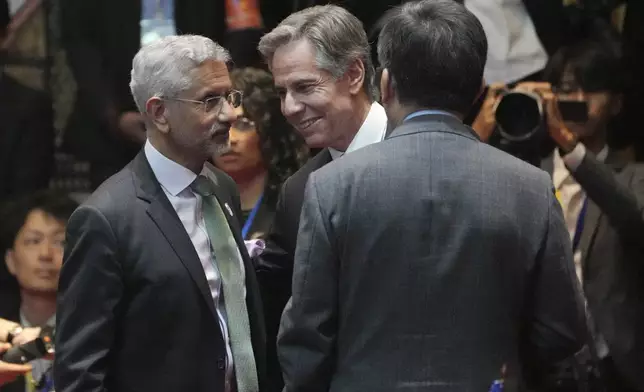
163, 68
338, 37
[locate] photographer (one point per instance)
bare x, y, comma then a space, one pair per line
602, 199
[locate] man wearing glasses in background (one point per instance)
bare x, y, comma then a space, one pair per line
157, 292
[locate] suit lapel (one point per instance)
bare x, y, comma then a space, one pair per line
593, 214
591, 224
164, 216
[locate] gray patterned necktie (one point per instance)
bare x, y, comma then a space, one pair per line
229, 261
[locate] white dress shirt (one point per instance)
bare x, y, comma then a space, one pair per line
570, 194
571, 197
15, 6
373, 130
514, 49
175, 181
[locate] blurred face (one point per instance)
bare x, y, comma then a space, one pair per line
37, 254
602, 106
243, 156
197, 131
316, 104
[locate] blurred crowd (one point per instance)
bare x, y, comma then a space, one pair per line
589, 50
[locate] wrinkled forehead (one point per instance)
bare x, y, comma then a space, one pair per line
210, 78
295, 63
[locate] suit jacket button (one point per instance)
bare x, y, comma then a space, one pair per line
221, 363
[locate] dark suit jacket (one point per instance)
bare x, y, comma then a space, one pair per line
26, 139
135, 312
101, 40
275, 265
613, 258
428, 261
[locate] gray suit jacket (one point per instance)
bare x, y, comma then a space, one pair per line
428, 262
612, 250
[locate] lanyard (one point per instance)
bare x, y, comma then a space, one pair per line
580, 225
251, 217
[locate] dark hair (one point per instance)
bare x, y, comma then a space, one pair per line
283, 150
595, 61
14, 214
435, 51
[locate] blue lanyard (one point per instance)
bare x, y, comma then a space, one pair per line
251, 217
47, 384
580, 225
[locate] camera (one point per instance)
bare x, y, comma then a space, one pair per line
521, 119
37, 348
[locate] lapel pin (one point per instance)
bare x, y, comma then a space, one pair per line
230, 211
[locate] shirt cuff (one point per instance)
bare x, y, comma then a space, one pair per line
573, 159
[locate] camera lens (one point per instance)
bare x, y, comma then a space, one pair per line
518, 115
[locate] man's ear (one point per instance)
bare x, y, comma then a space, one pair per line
10, 261
156, 111
386, 87
355, 75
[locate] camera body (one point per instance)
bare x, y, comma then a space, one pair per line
521, 119
37, 348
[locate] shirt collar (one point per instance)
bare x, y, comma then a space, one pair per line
173, 177
25, 323
373, 130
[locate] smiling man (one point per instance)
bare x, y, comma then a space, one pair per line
320, 60
157, 292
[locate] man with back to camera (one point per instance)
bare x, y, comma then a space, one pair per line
157, 291
320, 60
430, 261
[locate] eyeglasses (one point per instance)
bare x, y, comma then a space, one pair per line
243, 124
233, 97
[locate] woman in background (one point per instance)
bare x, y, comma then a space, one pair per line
263, 150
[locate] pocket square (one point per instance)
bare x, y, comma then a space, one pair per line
255, 247
230, 211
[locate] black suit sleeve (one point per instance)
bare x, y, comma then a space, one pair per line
277, 258
274, 273
308, 331
91, 288
623, 203
79, 28
555, 321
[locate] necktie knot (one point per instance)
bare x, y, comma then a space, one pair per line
203, 186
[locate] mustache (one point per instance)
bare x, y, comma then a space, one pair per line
220, 128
